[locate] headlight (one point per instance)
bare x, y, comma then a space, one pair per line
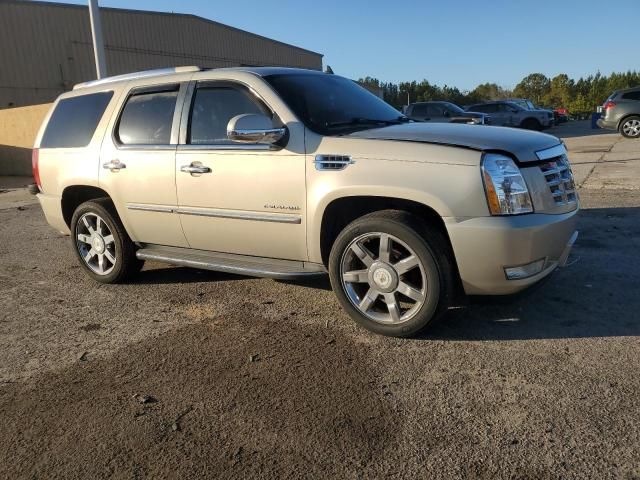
506, 190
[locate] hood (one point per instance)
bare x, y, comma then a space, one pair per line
473, 114
523, 144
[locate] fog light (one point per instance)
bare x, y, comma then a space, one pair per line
524, 271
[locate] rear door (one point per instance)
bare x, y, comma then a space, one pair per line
509, 117
138, 163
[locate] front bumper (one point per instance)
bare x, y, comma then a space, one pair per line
485, 246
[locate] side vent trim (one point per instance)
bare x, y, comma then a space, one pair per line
333, 162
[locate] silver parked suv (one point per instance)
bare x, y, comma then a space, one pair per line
621, 112
510, 114
289, 173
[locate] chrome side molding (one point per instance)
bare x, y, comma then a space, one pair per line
241, 215
219, 213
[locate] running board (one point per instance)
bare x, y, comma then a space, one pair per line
230, 263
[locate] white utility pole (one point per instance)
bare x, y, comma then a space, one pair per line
98, 43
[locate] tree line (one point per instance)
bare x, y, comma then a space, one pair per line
580, 97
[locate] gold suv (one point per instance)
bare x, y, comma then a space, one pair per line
288, 173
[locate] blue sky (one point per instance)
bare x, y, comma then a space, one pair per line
456, 42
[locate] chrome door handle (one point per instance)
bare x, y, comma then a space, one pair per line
114, 165
193, 168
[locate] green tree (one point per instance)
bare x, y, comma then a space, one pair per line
534, 87
488, 91
560, 92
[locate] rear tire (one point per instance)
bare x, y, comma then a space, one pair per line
630, 127
101, 243
531, 124
392, 275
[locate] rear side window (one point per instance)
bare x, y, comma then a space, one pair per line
212, 109
419, 110
487, 108
147, 118
74, 121
632, 95
435, 110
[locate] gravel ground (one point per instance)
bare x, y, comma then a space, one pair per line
184, 373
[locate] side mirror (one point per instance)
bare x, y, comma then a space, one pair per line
254, 128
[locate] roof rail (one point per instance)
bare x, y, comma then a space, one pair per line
135, 75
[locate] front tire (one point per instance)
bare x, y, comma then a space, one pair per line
390, 274
101, 243
531, 124
630, 127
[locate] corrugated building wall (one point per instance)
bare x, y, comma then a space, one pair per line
46, 48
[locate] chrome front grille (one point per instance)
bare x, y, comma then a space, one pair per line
559, 177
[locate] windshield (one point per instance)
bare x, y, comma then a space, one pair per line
454, 108
333, 105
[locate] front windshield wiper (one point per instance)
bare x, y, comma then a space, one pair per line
366, 121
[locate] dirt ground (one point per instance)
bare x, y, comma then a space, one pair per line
184, 373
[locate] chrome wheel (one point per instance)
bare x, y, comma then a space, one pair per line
631, 128
383, 278
95, 243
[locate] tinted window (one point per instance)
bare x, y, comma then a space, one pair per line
147, 118
488, 108
632, 95
332, 105
74, 120
509, 107
435, 110
452, 108
419, 110
214, 107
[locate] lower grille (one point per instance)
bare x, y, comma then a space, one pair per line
559, 177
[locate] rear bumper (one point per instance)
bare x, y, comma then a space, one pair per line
607, 125
52, 208
485, 246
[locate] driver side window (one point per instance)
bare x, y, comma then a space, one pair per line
213, 107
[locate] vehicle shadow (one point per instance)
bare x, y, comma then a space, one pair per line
168, 275
580, 128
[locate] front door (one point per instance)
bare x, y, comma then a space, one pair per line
138, 164
248, 199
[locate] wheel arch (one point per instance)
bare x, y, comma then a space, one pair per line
75, 195
341, 211
625, 118
530, 119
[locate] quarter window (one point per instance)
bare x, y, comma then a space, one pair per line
74, 121
212, 109
147, 118
632, 95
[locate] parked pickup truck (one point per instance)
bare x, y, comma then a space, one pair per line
289, 173
445, 112
510, 114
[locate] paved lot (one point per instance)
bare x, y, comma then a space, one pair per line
544, 385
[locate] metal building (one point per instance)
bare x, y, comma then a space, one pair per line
46, 48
